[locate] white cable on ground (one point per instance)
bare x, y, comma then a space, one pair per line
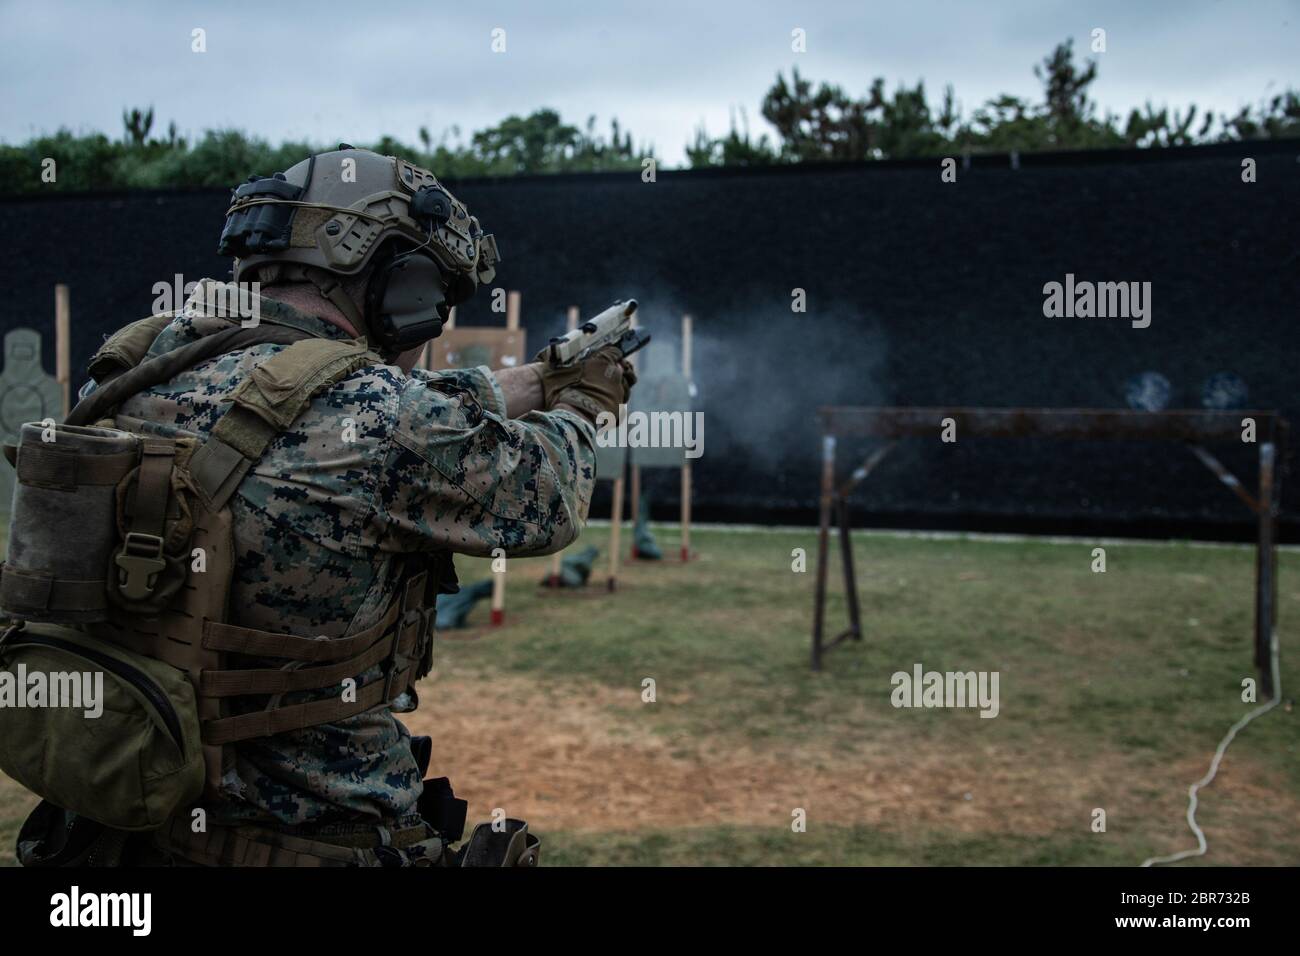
1201, 845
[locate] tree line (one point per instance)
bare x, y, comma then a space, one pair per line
826, 123
812, 122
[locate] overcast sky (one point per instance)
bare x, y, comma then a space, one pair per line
347, 70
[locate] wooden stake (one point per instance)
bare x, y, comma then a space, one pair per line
686, 346
634, 470
686, 462
615, 527
686, 510
498, 598
634, 492
451, 319
512, 310
63, 344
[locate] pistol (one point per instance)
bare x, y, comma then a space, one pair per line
611, 327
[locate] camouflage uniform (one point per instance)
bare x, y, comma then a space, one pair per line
381, 465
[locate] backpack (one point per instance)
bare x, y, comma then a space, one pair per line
108, 600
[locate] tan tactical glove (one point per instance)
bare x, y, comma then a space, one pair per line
600, 384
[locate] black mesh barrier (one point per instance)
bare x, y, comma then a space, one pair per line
918, 292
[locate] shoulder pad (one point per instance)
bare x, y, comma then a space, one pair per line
127, 347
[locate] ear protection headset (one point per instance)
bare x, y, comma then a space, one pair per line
406, 300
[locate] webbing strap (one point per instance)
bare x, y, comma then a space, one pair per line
397, 643
410, 622
141, 559
279, 720
149, 505
251, 641
327, 283
32, 591
269, 680
244, 431
228, 846
259, 846
217, 469
49, 466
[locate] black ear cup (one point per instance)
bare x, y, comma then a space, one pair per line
460, 289
406, 303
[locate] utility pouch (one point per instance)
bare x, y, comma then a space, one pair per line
63, 530
97, 729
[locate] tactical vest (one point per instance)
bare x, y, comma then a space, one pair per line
120, 563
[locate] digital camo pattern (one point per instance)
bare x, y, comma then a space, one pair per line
379, 466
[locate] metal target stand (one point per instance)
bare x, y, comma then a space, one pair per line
1192, 428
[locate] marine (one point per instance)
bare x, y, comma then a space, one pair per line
349, 478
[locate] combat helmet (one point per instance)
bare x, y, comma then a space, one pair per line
337, 212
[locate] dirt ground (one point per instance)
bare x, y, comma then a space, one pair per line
579, 758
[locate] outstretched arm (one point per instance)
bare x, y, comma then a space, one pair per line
470, 478
522, 388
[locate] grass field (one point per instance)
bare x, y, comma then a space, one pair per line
1114, 690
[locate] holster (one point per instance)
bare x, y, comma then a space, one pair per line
442, 810
513, 846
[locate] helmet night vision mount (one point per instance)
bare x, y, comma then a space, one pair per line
335, 213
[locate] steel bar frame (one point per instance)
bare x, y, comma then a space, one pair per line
1190, 427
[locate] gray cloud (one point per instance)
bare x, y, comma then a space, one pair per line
342, 69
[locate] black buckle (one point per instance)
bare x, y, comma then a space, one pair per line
138, 565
